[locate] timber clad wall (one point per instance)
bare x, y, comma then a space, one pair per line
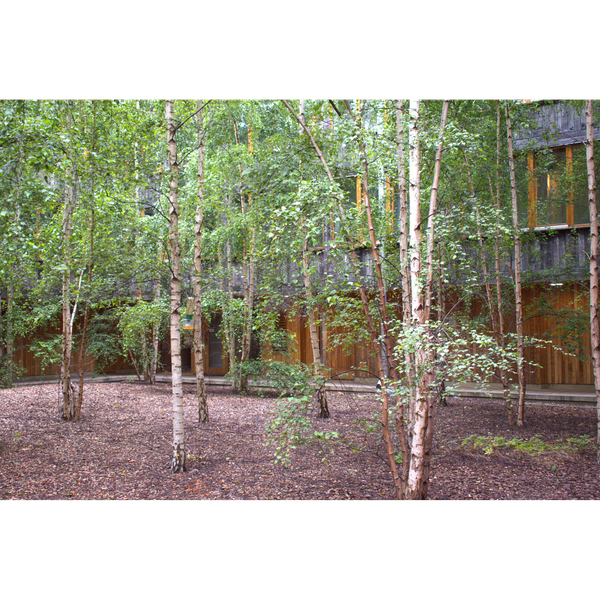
24, 357
553, 265
338, 359
557, 367
543, 323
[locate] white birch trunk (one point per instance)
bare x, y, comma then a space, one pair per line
312, 321
154, 360
403, 244
518, 286
420, 403
198, 347
67, 394
432, 213
430, 356
414, 181
594, 324
179, 454
403, 221
502, 328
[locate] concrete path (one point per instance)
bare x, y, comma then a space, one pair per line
582, 397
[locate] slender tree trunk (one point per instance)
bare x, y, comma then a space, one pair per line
323, 407
10, 336
501, 325
594, 283
227, 324
423, 413
83, 343
249, 312
403, 220
419, 405
67, 394
155, 328
403, 237
310, 300
385, 321
518, 287
433, 212
312, 325
415, 212
67, 400
249, 275
82, 348
179, 452
198, 346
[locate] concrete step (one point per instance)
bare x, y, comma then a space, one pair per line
565, 395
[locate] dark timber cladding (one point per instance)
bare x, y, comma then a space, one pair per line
556, 254
554, 124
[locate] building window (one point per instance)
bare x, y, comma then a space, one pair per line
280, 337
579, 176
215, 343
557, 187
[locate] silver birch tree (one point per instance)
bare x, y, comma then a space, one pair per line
422, 403
67, 393
312, 310
198, 350
179, 453
415, 444
594, 283
517, 271
501, 325
403, 221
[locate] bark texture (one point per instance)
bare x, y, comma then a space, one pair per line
594, 283
518, 286
198, 346
179, 453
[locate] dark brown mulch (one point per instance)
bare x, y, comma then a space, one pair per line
121, 449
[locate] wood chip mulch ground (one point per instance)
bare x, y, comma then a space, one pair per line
121, 449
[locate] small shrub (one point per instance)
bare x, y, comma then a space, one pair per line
291, 426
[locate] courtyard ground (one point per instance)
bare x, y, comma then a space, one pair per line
121, 447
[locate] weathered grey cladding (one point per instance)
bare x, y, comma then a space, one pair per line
548, 255
556, 255
553, 125
332, 268
551, 255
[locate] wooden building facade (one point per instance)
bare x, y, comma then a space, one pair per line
555, 214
